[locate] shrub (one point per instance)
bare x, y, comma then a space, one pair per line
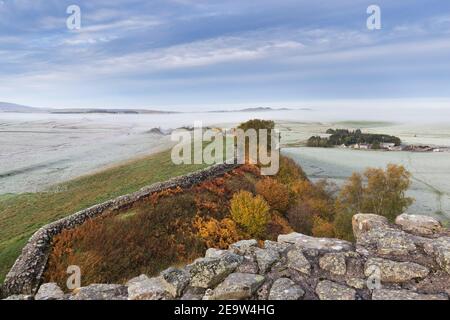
312, 199
237, 183
215, 233
115, 248
276, 226
275, 193
289, 171
343, 226
322, 228
300, 217
302, 189
250, 212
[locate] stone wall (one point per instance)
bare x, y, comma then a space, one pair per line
406, 261
25, 275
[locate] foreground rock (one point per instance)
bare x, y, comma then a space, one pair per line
407, 261
385, 294
329, 290
440, 250
334, 263
19, 297
208, 272
49, 291
393, 271
144, 288
101, 292
175, 281
297, 261
322, 244
286, 289
420, 225
237, 286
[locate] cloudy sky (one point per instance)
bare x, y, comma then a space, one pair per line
171, 54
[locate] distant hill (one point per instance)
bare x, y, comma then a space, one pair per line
109, 111
256, 109
259, 109
12, 107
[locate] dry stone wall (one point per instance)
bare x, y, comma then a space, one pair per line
25, 275
409, 260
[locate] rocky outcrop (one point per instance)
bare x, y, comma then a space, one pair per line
407, 261
25, 275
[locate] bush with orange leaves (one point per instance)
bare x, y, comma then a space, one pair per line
116, 247
215, 233
300, 217
313, 209
275, 193
276, 226
252, 213
322, 228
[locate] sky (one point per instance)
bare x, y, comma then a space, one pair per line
197, 54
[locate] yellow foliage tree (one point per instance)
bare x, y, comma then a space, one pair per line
377, 191
250, 212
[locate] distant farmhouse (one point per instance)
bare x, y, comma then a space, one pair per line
358, 140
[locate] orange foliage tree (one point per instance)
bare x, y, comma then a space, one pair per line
275, 193
217, 234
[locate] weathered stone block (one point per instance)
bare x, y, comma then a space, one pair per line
334, 263
329, 290
208, 272
419, 225
385, 294
49, 291
101, 292
322, 244
393, 271
297, 261
237, 286
286, 289
266, 258
149, 289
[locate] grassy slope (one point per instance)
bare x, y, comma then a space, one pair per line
21, 215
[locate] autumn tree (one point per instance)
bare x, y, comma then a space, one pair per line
313, 200
257, 125
252, 213
385, 193
289, 171
215, 233
322, 228
275, 193
378, 191
300, 217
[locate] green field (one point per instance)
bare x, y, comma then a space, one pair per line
21, 215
